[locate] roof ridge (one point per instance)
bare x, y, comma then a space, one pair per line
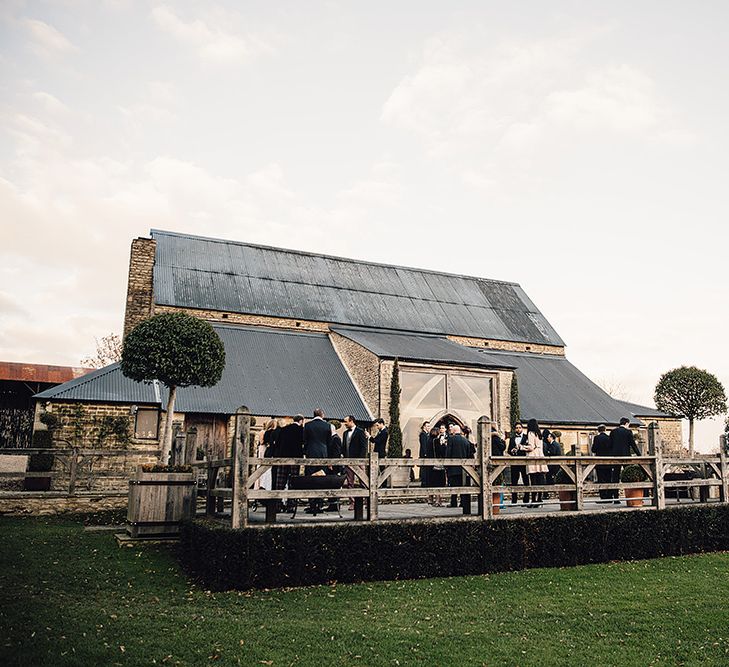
335, 257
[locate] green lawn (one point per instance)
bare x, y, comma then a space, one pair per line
74, 597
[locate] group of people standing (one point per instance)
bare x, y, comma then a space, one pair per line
620, 442
444, 442
317, 439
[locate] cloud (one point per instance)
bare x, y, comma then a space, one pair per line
621, 99
509, 99
213, 43
47, 40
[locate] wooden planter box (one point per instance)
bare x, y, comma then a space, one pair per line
159, 502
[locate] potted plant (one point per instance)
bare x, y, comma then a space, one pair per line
634, 473
160, 498
567, 499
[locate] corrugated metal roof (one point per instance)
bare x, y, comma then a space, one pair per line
197, 272
106, 384
20, 372
408, 346
553, 391
644, 411
272, 372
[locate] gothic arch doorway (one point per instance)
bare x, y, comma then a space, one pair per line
446, 418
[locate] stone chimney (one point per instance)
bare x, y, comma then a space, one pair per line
139, 286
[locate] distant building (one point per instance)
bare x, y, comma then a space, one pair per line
303, 330
19, 382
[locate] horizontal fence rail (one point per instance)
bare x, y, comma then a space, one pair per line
483, 478
73, 470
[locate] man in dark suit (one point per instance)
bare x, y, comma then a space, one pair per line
601, 447
458, 448
317, 441
516, 440
317, 437
289, 444
355, 440
622, 443
380, 439
355, 445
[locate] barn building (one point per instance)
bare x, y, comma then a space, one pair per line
304, 330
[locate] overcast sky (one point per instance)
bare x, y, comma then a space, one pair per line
578, 148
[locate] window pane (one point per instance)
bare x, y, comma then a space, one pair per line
423, 396
145, 425
422, 391
470, 394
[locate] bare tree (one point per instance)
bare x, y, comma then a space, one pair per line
615, 388
108, 351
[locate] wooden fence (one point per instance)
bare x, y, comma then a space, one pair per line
235, 478
76, 470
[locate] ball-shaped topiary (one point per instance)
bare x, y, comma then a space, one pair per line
177, 349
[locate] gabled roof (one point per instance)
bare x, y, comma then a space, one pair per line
408, 346
553, 391
272, 372
213, 274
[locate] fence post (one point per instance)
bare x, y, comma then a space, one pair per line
73, 472
210, 498
656, 449
485, 499
190, 445
579, 481
239, 512
724, 470
374, 473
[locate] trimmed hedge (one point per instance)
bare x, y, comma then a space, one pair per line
271, 557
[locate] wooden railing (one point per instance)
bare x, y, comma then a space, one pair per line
480, 476
78, 470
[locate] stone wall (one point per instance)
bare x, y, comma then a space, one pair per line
363, 367
140, 283
36, 504
80, 425
506, 345
251, 320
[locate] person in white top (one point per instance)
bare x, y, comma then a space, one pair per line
537, 470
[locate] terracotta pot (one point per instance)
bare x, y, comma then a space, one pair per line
496, 502
567, 501
634, 497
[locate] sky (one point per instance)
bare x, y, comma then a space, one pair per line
578, 148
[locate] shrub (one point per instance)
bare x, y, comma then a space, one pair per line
633, 473
268, 557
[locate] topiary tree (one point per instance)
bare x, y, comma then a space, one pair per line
691, 393
178, 350
395, 432
515, 412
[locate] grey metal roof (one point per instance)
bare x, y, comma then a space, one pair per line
553, 391
106, 384
419, 347
272, 372
644, 411
197, 272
